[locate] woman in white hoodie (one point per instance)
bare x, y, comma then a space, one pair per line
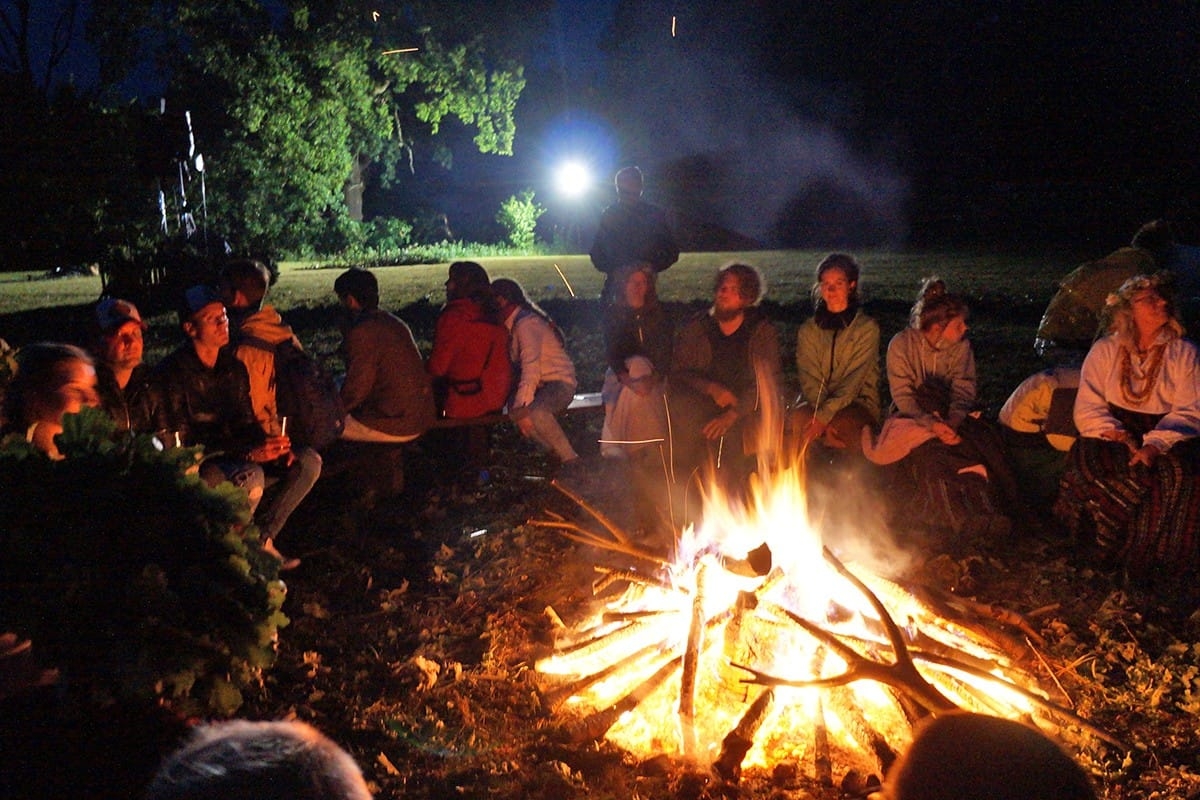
546, 377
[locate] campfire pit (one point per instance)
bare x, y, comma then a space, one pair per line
756, 646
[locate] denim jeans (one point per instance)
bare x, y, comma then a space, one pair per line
287, 490
243, 474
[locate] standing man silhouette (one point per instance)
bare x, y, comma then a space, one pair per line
631, 231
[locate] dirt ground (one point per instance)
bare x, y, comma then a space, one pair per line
416, 621
416, 624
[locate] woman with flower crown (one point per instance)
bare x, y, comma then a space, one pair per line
1134, 475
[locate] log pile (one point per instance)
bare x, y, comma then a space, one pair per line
721, 665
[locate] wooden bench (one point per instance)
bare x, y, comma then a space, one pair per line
587, 401
380, 465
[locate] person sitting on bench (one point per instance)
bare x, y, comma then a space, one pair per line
545, 374
387, 393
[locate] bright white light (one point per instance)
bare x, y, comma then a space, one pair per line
573, 178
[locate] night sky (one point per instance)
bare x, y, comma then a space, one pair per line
866, 122
852, 122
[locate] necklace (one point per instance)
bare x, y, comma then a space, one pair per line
1152, 366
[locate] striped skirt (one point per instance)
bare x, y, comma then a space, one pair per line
1148, 517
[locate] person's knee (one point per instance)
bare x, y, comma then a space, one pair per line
309, 462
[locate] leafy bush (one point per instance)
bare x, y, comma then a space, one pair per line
519, 215
389, 234
130, 575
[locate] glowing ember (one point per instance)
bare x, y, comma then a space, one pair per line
818, 663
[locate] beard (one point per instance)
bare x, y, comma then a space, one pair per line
727, 314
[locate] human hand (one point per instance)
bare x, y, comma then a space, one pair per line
722, 396
1120, 436
275, 447
1145, 455
945, 433
719, 425
525, 426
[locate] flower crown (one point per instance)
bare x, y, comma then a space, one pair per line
1134, 285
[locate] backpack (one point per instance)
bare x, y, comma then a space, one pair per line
495, 376
305, 393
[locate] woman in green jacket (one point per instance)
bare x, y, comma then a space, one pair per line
837, 358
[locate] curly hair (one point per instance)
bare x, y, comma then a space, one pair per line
751, 286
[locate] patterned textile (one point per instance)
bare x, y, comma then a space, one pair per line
1099, 492
1165, 535
935, 488
1148, 518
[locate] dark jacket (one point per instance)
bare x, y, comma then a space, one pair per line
638, 332
387, 387
135, 408
755, 342
207, 406
633, 232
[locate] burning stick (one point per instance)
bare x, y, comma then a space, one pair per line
596, 725
739, 740
944, 605
691, 656
578, 534
861, 729
822, 757
901, 675
611, 576
554, 699
1052, 709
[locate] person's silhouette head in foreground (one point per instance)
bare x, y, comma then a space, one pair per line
960, 755
241, 760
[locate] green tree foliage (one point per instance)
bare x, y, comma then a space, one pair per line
293, 94
132, 576
518, 216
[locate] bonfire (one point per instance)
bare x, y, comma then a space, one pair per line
755, 645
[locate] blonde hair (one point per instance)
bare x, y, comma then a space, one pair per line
1117, 317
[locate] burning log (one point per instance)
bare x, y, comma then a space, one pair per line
594, 726
875, 678
691, 657
862, 730
557, 697
822, 752
737, 742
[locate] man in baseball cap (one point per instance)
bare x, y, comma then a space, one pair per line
123, 381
